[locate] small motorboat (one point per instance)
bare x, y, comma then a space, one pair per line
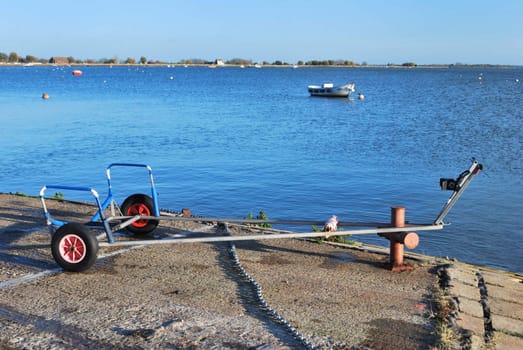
329, 90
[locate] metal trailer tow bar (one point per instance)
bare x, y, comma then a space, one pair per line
75, 247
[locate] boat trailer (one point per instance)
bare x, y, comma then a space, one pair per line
74, 246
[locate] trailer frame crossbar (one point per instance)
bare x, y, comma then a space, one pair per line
271, 235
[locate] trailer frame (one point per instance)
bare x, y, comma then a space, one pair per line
75, 248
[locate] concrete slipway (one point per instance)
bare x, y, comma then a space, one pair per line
189, 296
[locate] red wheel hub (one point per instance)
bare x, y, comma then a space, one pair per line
139, 209
72, 248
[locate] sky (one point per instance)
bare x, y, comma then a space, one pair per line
363, 31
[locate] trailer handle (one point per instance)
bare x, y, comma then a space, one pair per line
51, 221
457, 186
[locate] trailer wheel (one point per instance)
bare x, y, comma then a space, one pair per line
140, 204
74, 248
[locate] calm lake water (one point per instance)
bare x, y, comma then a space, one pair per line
230, 141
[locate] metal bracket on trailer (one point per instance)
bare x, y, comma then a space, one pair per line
127, 222
458, 186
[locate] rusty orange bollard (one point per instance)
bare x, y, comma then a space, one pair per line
400, 239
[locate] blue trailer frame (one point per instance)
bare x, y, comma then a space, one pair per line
99, 216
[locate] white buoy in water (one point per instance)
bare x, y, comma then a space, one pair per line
361, 96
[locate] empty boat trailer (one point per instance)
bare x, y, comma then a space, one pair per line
75, 245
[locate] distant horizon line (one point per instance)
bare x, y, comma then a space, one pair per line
225, 65
15, 58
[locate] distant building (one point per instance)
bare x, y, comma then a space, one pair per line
58, 60
219, 62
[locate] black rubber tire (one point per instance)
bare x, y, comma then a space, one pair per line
139, 204
74, 248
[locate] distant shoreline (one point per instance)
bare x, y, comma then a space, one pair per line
428, 66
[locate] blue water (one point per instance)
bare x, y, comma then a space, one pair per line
230, 141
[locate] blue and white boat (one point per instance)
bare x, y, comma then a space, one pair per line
329, 90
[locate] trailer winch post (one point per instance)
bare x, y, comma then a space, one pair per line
398, 240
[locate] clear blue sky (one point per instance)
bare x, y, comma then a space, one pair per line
372, 31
